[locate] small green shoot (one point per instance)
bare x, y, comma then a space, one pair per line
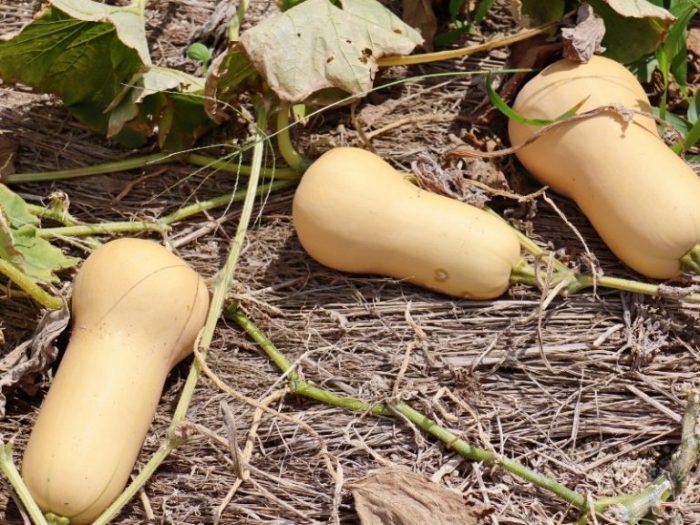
509, 112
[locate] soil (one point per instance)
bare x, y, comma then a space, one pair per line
588, 390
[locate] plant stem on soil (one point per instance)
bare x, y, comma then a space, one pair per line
36, 292
437, 56
149, 160
631, 508
284, 142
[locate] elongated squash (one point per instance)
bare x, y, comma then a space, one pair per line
137, 310
643, 200
353, 212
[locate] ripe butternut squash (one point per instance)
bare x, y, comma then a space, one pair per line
643, 200
353, 212
137, 310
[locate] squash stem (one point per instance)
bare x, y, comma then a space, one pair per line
284, 142
36, 292
85, 230
425, 58
241, 169
221, 287
297, 385
7, 466
690, 262
224, 200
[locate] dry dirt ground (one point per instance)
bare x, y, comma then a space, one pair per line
573, 391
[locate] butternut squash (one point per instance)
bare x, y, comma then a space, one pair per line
642, 199
353, 212
137, 310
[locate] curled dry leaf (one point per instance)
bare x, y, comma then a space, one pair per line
584, 40
395, 496
22, 367
329, 46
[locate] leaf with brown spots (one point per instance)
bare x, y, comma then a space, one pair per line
317, 45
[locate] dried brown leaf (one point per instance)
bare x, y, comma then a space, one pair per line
395, 496
419, 15
22, 366
584, 40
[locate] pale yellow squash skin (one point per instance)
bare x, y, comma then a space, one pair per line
643, 200
137, 310
353, 212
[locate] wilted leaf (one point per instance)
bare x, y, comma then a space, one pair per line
419, 15
21, 367
20, 244
163, 101
633, 28
316, 45
229, 75
584, 40
395, 496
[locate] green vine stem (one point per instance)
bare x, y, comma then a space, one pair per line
36, 292
224, 200
241, 169
296, 384
690, 262
574, 282
631, 508
222, 284
148, 160
84, 230
425, 58
8, 468
284, 142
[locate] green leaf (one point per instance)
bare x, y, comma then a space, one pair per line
84, 63
538, 12
167, 101
128, 21
316, 45
20, 244
633, 28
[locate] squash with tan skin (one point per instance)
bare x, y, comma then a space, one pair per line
353, 212
643, 200
137, 310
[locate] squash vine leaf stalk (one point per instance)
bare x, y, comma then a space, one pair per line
631, 508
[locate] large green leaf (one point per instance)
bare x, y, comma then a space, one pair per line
20, 244
317, 45
633, 28
84, 63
